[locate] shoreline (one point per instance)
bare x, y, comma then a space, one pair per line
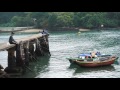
33, 30
81, 28
22, 31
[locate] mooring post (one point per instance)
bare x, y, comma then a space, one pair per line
45, 44
20, 55
11, 60
38, 51
32, 51
48, 44
26, 50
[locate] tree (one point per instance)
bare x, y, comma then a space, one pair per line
60, 19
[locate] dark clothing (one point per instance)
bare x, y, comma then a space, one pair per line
1, 67
12, 41
45, 32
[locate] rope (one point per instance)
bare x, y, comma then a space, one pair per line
32, 56
29, 69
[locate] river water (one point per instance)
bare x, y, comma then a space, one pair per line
64, 44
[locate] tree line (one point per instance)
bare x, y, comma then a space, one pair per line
60, 19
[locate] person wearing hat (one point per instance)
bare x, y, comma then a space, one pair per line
11, 39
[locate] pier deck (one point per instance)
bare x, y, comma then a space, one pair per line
5, 46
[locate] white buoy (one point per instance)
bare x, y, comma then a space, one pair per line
102, 25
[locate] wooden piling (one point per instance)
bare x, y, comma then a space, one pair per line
38, 51
11, 61
20, 56
26, 51
11, 58
45, 44
31, 51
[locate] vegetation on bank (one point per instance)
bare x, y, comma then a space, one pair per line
60, 19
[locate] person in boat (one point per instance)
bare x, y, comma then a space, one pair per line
98, 53
83, 56
95, 54
91, 55
11, 39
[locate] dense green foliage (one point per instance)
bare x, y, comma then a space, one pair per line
60, 19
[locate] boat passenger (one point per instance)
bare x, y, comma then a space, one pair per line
98, 53
93, 55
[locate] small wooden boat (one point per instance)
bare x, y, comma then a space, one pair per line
104, 61
94, 62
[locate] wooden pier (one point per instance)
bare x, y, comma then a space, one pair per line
27, 49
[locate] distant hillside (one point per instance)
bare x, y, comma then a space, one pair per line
60, 19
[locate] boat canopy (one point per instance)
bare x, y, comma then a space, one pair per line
86, 54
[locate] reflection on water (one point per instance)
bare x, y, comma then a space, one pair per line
65, 44
79, 69
40, 66
97, 72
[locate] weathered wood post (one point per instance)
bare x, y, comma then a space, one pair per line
11, 60
38, 51
31, 51
20, 55
45, 44
26, 50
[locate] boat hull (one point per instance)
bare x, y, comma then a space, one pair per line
96, 63
72, 60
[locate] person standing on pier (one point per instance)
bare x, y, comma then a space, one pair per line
11, 39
